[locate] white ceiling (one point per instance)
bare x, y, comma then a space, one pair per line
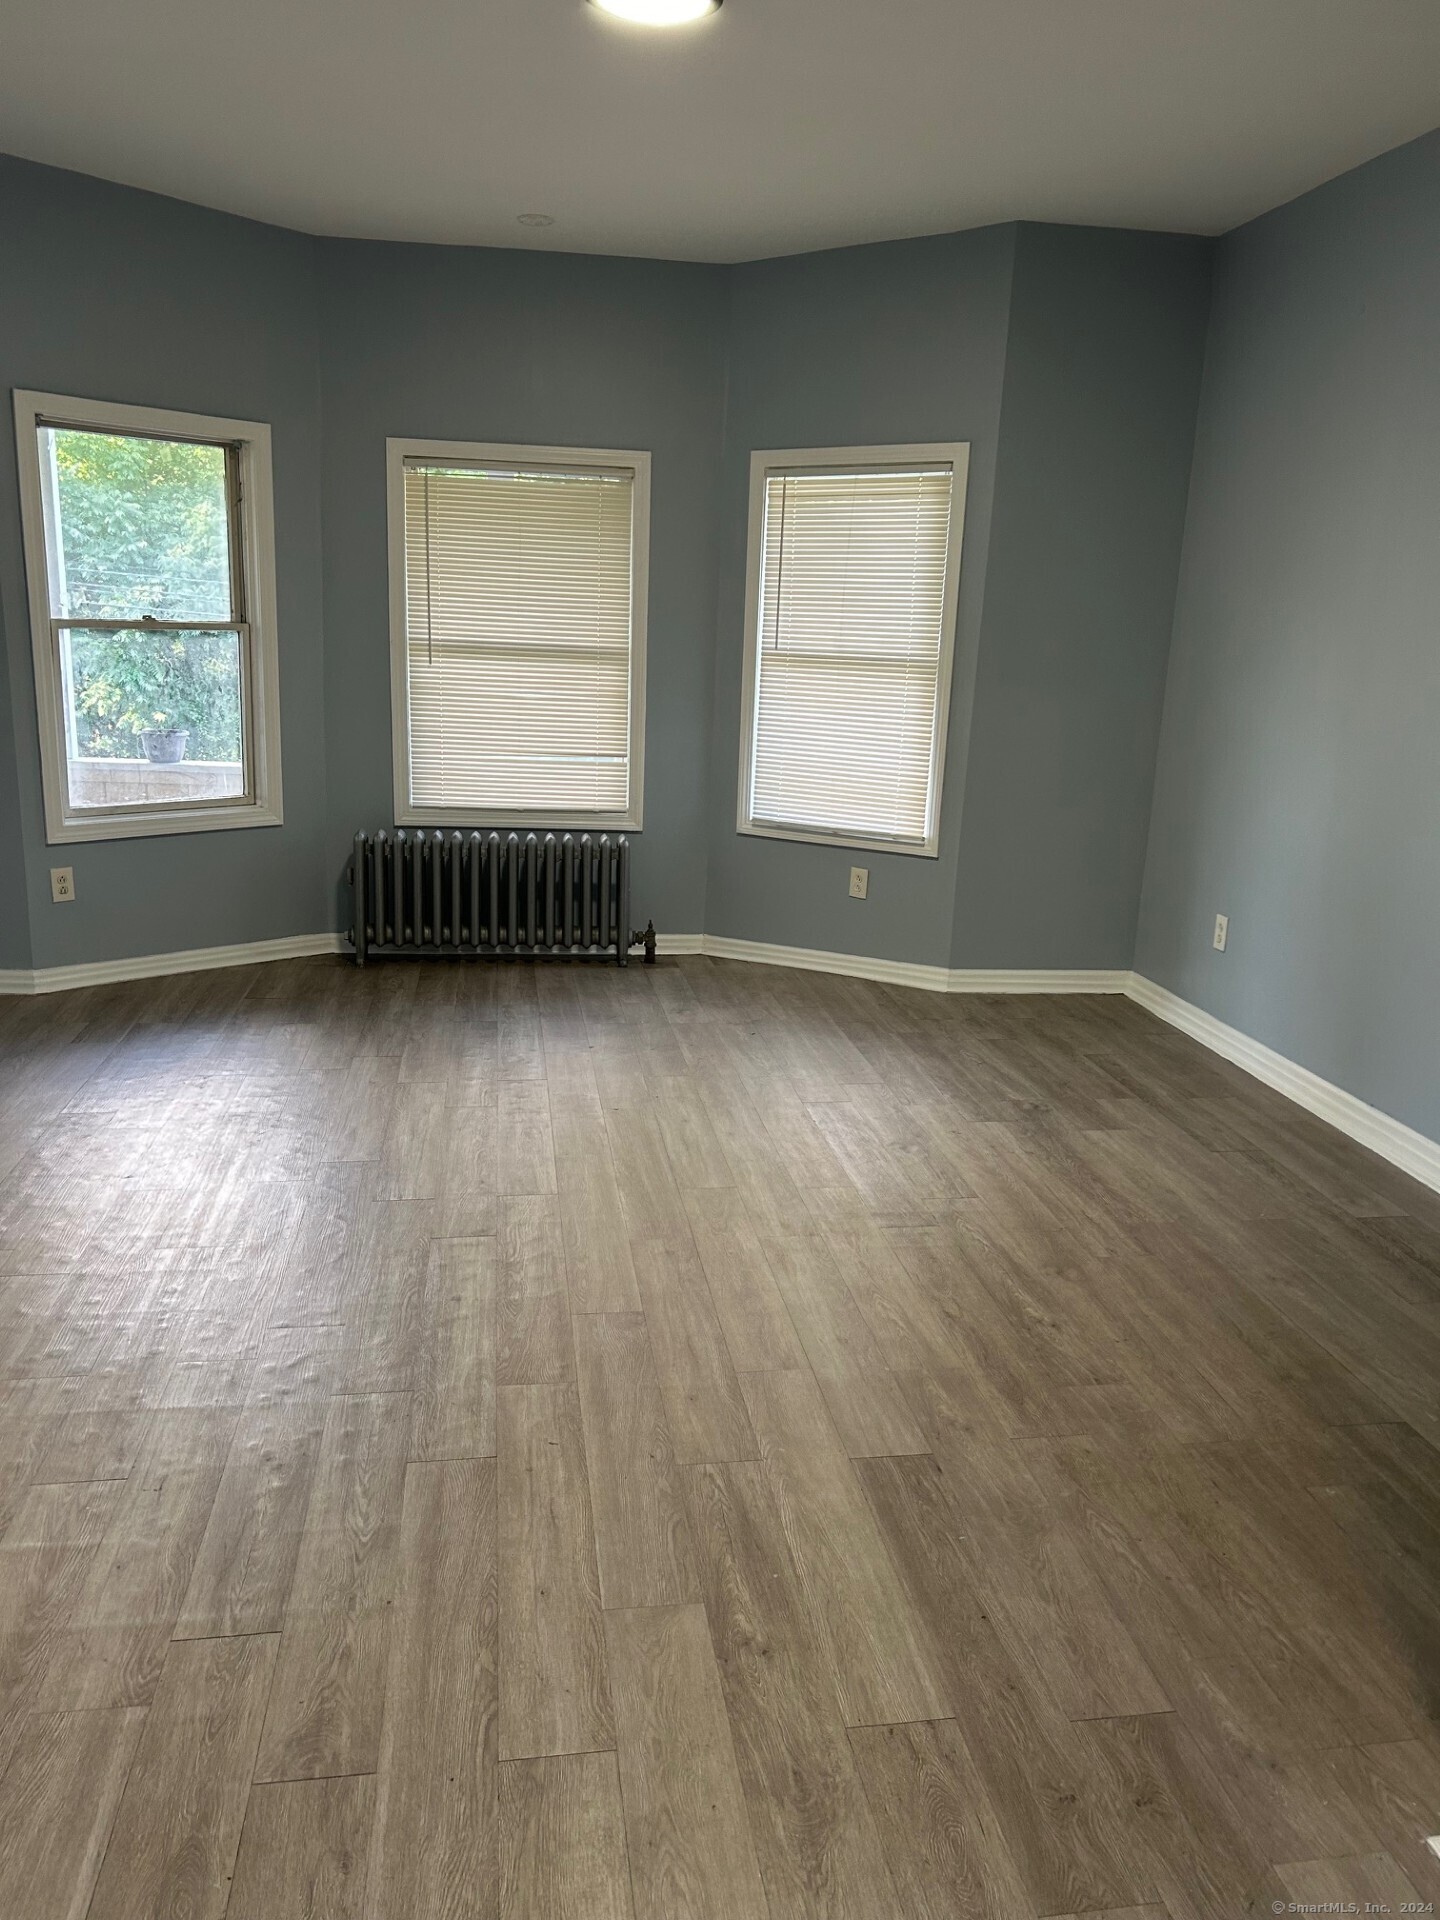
772, 127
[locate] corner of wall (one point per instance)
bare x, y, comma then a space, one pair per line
1144, 895
1102, 375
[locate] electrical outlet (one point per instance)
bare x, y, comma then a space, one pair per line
859, 883
1222, 931
62, 883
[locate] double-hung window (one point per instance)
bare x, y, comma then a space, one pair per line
850, 634
518, 583
149, 544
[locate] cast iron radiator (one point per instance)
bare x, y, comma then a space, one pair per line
488, 893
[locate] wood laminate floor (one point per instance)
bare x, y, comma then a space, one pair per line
558, 1443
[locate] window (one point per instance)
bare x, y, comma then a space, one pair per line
517, 584
149, 558
850, 630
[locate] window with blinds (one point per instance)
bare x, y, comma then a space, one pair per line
854, 569
520, 638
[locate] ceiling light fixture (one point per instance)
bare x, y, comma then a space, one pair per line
536, 219
658, 13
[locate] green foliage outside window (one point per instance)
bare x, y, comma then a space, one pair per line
128, 681
145, 530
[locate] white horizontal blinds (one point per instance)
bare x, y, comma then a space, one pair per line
518, 625
848, 660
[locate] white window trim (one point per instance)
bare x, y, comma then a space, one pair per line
397, 452
63, 824
956, 455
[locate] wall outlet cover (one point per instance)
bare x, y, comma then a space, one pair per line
1222, 931
62, 884
859, 883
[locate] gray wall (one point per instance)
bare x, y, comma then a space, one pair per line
539, 349
1298, 781
117, 295
1070, 359
1102, 377
1069, 356
895, 343
14, 907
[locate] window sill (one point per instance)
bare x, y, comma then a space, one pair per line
153, 824
815, 837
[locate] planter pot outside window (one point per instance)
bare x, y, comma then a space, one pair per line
163, 746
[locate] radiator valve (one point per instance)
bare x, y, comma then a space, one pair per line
646, 940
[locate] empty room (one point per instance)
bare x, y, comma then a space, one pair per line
719, 960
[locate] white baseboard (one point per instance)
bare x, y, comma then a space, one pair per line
1038, 980
903, 973
895, 973
1412, 1152
150, 966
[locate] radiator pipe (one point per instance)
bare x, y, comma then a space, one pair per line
530, 877
622, 903
512, 891
357, 880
